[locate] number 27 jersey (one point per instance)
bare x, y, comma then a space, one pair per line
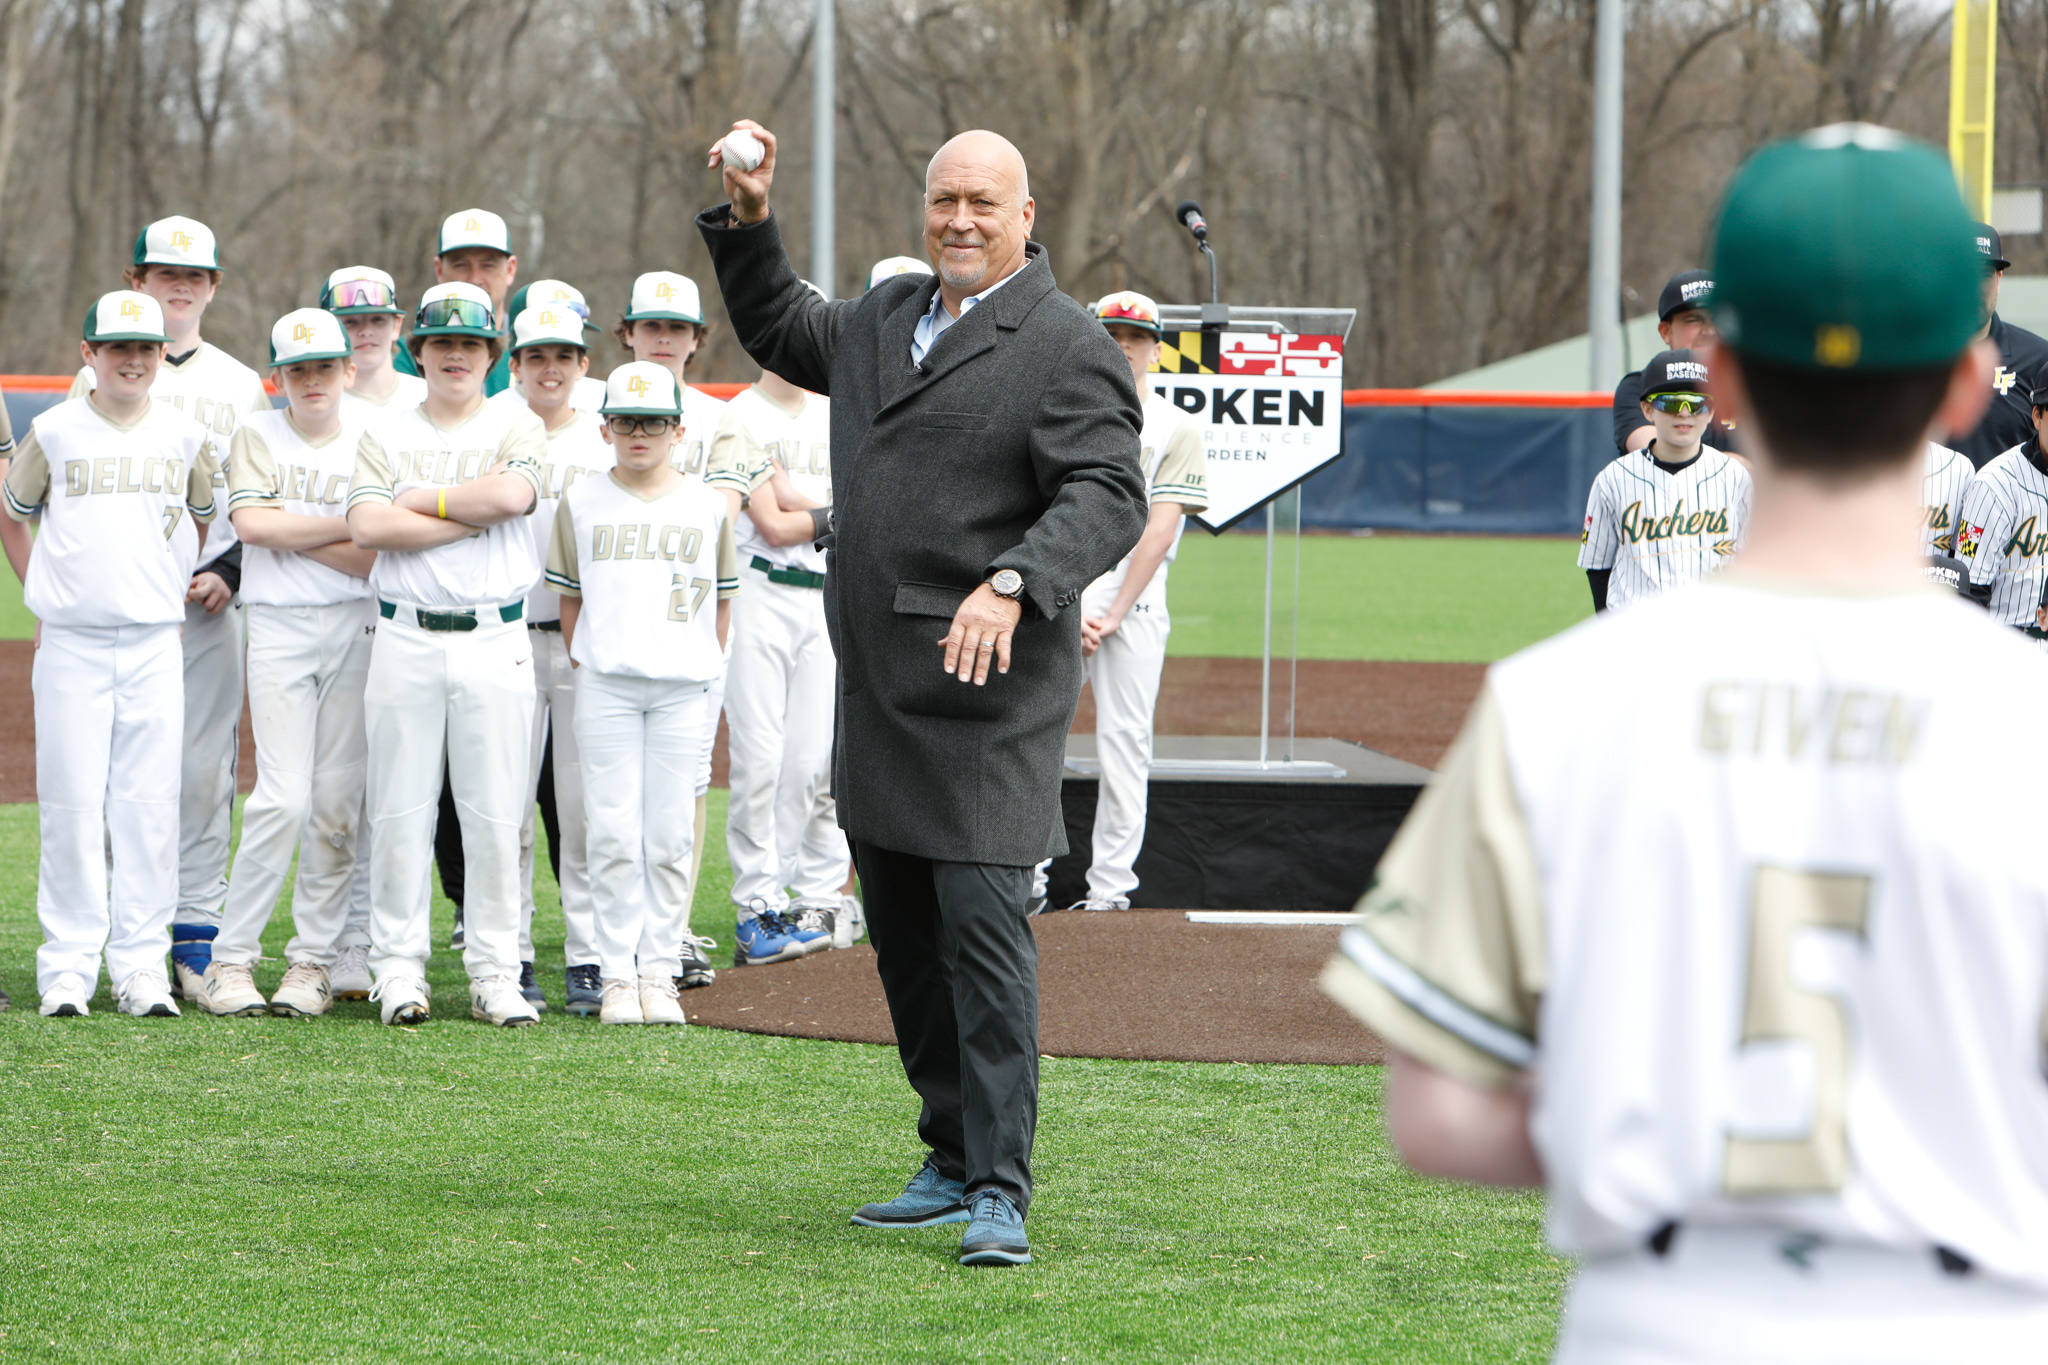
1761, 966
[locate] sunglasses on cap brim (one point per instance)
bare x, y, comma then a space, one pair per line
358, 294
449, 313
1680, 404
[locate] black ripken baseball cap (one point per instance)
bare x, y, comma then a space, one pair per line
1675, 372
1686, 289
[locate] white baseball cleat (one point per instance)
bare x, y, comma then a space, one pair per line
621, 1003
230, 988
66, 998
817, 924
849, 922
497, 1000
146, 995
190, 985
658, 1001
303, 992
405, 999
349, 977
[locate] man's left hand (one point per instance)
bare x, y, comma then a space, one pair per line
981, 631
209, 590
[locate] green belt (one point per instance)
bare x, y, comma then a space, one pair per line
465, 619
795, 578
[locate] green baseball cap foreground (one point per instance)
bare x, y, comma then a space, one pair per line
1846, 248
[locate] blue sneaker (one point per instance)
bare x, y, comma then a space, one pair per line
928, 1200
191, 955
530, 989
766, 937
995, 1232
586, 989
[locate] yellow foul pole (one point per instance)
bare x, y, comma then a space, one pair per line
1973, 100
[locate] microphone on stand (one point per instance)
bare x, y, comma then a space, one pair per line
1215, 314
1189, 215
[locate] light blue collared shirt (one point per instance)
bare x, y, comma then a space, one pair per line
936, 320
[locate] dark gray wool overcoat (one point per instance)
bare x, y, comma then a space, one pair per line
1015, 446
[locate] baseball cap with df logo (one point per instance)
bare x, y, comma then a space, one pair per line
642, 389
125, 315
665, 294
474, 227
542, 293
308, 334
548, 324
1846, 248
889, 267
177, 241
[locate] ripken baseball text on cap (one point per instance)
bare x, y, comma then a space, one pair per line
1675, 372
125, 315
1128, 309
1989, 246
889, 267
548, 324
177, 241
474, 227
1686, 289
665, 294
308, 334
641, 388
1846, 248
355, 289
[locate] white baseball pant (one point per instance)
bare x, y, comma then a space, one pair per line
781, 828
1124, 672
641, 741
1737, 1296
307, 669
206, 804
714, 707
470, 693
109, 709
554, 721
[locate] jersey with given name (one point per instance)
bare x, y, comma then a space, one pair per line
754, 430
112, 500
406, 450
1176, 466
650, 572
219, 392
2004, 533
1657, 529
575, 450
1761, 966
1948, 474
272, 464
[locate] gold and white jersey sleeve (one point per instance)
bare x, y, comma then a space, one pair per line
650, 573
1176, 462
112, 500
755, 432
575, 450
1948, 474
272, 464
497, 565
702, 415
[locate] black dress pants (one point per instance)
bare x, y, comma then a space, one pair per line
959, 966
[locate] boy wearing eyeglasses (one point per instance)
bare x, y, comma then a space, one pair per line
441, 492
366, 301
643, 558
1672, 512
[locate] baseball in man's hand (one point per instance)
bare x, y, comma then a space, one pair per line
742, 150
746, 158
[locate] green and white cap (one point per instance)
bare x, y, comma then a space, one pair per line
125, 315
891, 266
665, 294
642, 389
547, 324
308, 334
474, 227
177, 241
455, 309
357, 289
1847, 248
541, 293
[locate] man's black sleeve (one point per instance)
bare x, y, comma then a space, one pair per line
775, 317
1628, 409
1598, 578
229, 567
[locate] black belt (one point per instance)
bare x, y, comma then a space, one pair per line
2032, 632
1952, 1262
795, 578
460, 619
554, 627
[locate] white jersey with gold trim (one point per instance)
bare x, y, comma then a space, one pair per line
755, 429
702, 415
1176, 466
2003, 534
1948, 474
1659, 529
576, 450
272, 464
1761, 968
409, 392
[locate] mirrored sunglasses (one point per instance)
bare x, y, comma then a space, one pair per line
652, 426
455, 312
358, 294
1680, 404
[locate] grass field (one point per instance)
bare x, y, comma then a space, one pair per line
1460, 598
269, 1190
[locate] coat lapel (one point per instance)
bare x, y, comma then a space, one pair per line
967, 338
892, 360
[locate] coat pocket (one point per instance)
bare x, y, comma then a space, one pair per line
955, 421
917, 684
929, 599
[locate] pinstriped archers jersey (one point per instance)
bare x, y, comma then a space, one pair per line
1658, 529
2003, 533
1948, 473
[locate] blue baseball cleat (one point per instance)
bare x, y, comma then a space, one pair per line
769, 936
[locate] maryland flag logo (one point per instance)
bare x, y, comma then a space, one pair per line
1966, 541
1587, 534
1191, 352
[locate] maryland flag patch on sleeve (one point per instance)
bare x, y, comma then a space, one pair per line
1966, 541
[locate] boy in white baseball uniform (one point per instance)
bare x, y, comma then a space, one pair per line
178, 263
1124, 621
475, 248
1669, 513
549, 364
1948, 474
306, 591
366, 301
2002, 533
562, 297
441, 493
1710, 951
114, 475
643, 558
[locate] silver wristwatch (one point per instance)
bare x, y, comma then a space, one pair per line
1007, 583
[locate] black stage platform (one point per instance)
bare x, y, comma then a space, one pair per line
1245, 840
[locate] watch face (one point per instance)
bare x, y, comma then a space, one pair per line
1007, 583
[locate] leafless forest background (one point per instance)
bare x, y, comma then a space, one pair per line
1422, 160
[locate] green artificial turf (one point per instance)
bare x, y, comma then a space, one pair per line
225, 1190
